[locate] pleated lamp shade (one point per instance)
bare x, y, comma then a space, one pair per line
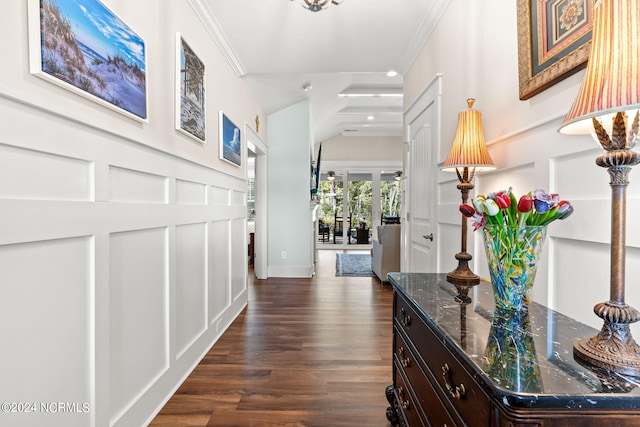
612, 80
469, 148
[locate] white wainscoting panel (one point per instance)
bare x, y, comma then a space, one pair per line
134, 186
191, 284
31, 174
581, 279
447, 191
238, 198
578, 177
45, 303
449, 244
119, 263
521, 178
219, 196
190, 193
220, 266
239, 253
138, 343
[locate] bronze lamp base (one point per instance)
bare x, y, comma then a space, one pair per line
462, 275
614, 348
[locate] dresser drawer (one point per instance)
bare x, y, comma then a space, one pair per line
405, 401
457, 387
424, 392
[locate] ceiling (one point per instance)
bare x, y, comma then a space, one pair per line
279, 47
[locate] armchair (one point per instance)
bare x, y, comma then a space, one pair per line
385, 252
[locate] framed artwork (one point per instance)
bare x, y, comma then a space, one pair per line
87, 49
230, 141
190, 91
554, 40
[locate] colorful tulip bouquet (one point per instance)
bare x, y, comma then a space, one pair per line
514, 231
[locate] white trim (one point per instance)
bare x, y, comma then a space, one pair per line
212, 26
260, 266
422, 34
291, 271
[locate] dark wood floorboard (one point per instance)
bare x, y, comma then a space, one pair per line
305, 352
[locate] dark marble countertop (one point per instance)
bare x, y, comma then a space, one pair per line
524, 361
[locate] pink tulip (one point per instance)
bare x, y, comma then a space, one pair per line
502, 200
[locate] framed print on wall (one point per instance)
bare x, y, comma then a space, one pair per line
190, 92
554, 40
87, 49
230, 141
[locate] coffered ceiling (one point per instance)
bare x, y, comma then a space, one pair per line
340, 55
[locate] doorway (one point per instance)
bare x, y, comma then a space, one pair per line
353, 201
257, 201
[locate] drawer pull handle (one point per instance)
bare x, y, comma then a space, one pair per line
400, 392
407, 320
405, 404
405, 362
456, 392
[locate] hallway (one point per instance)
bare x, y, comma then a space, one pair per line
305, 352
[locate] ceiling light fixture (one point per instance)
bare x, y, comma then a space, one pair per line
307, 87
392, 73
370, 117
318, 5
369, 95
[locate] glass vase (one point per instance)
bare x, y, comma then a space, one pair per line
510, 356
513, 254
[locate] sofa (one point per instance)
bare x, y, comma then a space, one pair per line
385, 252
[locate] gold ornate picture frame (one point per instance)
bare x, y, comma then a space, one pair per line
554, 40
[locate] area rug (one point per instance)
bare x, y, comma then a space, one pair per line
353, 265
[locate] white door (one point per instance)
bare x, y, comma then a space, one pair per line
422, 120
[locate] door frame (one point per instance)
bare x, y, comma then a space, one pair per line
260, 148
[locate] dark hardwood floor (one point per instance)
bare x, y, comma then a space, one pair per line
305, 352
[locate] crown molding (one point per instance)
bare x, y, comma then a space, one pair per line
423, 33
211, 24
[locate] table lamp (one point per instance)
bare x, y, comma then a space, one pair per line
607, 106
468, 155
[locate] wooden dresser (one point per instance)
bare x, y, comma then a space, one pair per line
462, 364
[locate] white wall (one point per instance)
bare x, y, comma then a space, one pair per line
122, 243
360, 148
289, 183
529, 153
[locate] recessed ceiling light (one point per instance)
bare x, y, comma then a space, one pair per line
392, 73
370, 117
369, 95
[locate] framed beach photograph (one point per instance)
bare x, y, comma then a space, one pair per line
85, 48
554, 40
190, 92
230, 141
